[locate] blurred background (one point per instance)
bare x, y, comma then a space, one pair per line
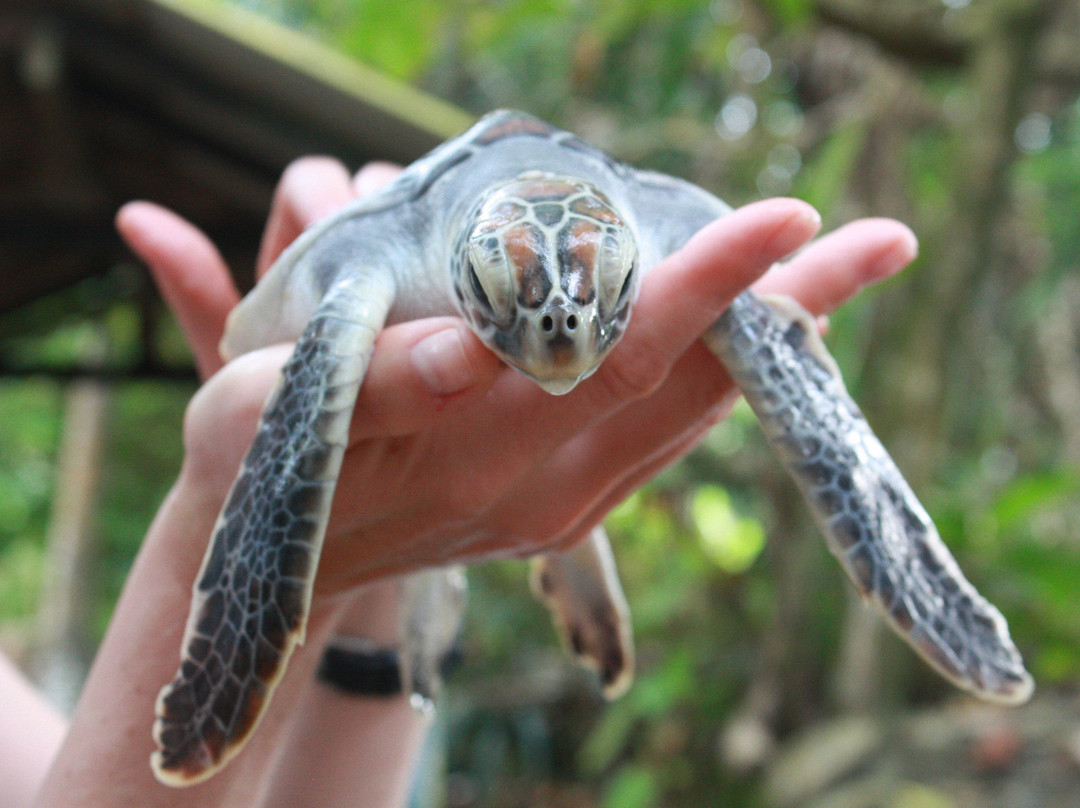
762, 680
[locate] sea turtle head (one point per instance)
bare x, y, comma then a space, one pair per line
546, 274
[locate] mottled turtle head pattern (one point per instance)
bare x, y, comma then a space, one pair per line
546, 272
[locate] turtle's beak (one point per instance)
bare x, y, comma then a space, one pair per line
557, 362
561, 346
558, 387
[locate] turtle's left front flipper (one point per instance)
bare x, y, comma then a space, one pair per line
253, 594
873, 523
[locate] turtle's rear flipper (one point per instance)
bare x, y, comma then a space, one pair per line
432, 608
581, 589
871, 519
252, 596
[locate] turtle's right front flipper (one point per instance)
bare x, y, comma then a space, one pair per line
253, 593
872, 520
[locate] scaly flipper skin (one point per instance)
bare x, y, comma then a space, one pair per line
581, 589
872, 521
253, 592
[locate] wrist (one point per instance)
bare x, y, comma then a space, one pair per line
370, 612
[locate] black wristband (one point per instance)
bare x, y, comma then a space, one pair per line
359, 667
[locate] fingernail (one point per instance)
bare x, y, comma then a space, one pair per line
796, 230
440, 360
901, 253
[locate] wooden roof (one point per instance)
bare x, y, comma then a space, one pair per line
184, 102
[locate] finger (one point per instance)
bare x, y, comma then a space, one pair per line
189, 272
679, 299
633, 479
310, 189
682, 296
590, 495
420, 369
621, 453
234, 397
374, 176
626, 449
836, 266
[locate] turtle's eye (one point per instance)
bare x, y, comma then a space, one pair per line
628, 283
617, 270
489, 278
477, 287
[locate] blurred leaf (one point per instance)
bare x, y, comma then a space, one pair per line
29, 431
1033, 493
608, 738
398, 38
1056, 663
733, 542
789, 11
917, 795
634, 786
672, 682
1050, 572
827, 175
22, 567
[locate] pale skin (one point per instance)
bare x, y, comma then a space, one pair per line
449, 448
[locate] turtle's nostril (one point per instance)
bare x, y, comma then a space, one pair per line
571, 323
547, 323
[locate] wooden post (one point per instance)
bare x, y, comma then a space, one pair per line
61, 647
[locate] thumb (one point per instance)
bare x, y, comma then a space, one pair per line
419, 370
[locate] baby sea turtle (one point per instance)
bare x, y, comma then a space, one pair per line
539, 241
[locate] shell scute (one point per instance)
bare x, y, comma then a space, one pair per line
513, 126
595, 208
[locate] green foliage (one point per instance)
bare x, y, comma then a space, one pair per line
1029, 496
790, 12
726, 578
397, 38
29, 416
732, 542
142, 457
825, 183
22, 570
633, 787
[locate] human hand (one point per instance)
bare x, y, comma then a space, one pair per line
456, 458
